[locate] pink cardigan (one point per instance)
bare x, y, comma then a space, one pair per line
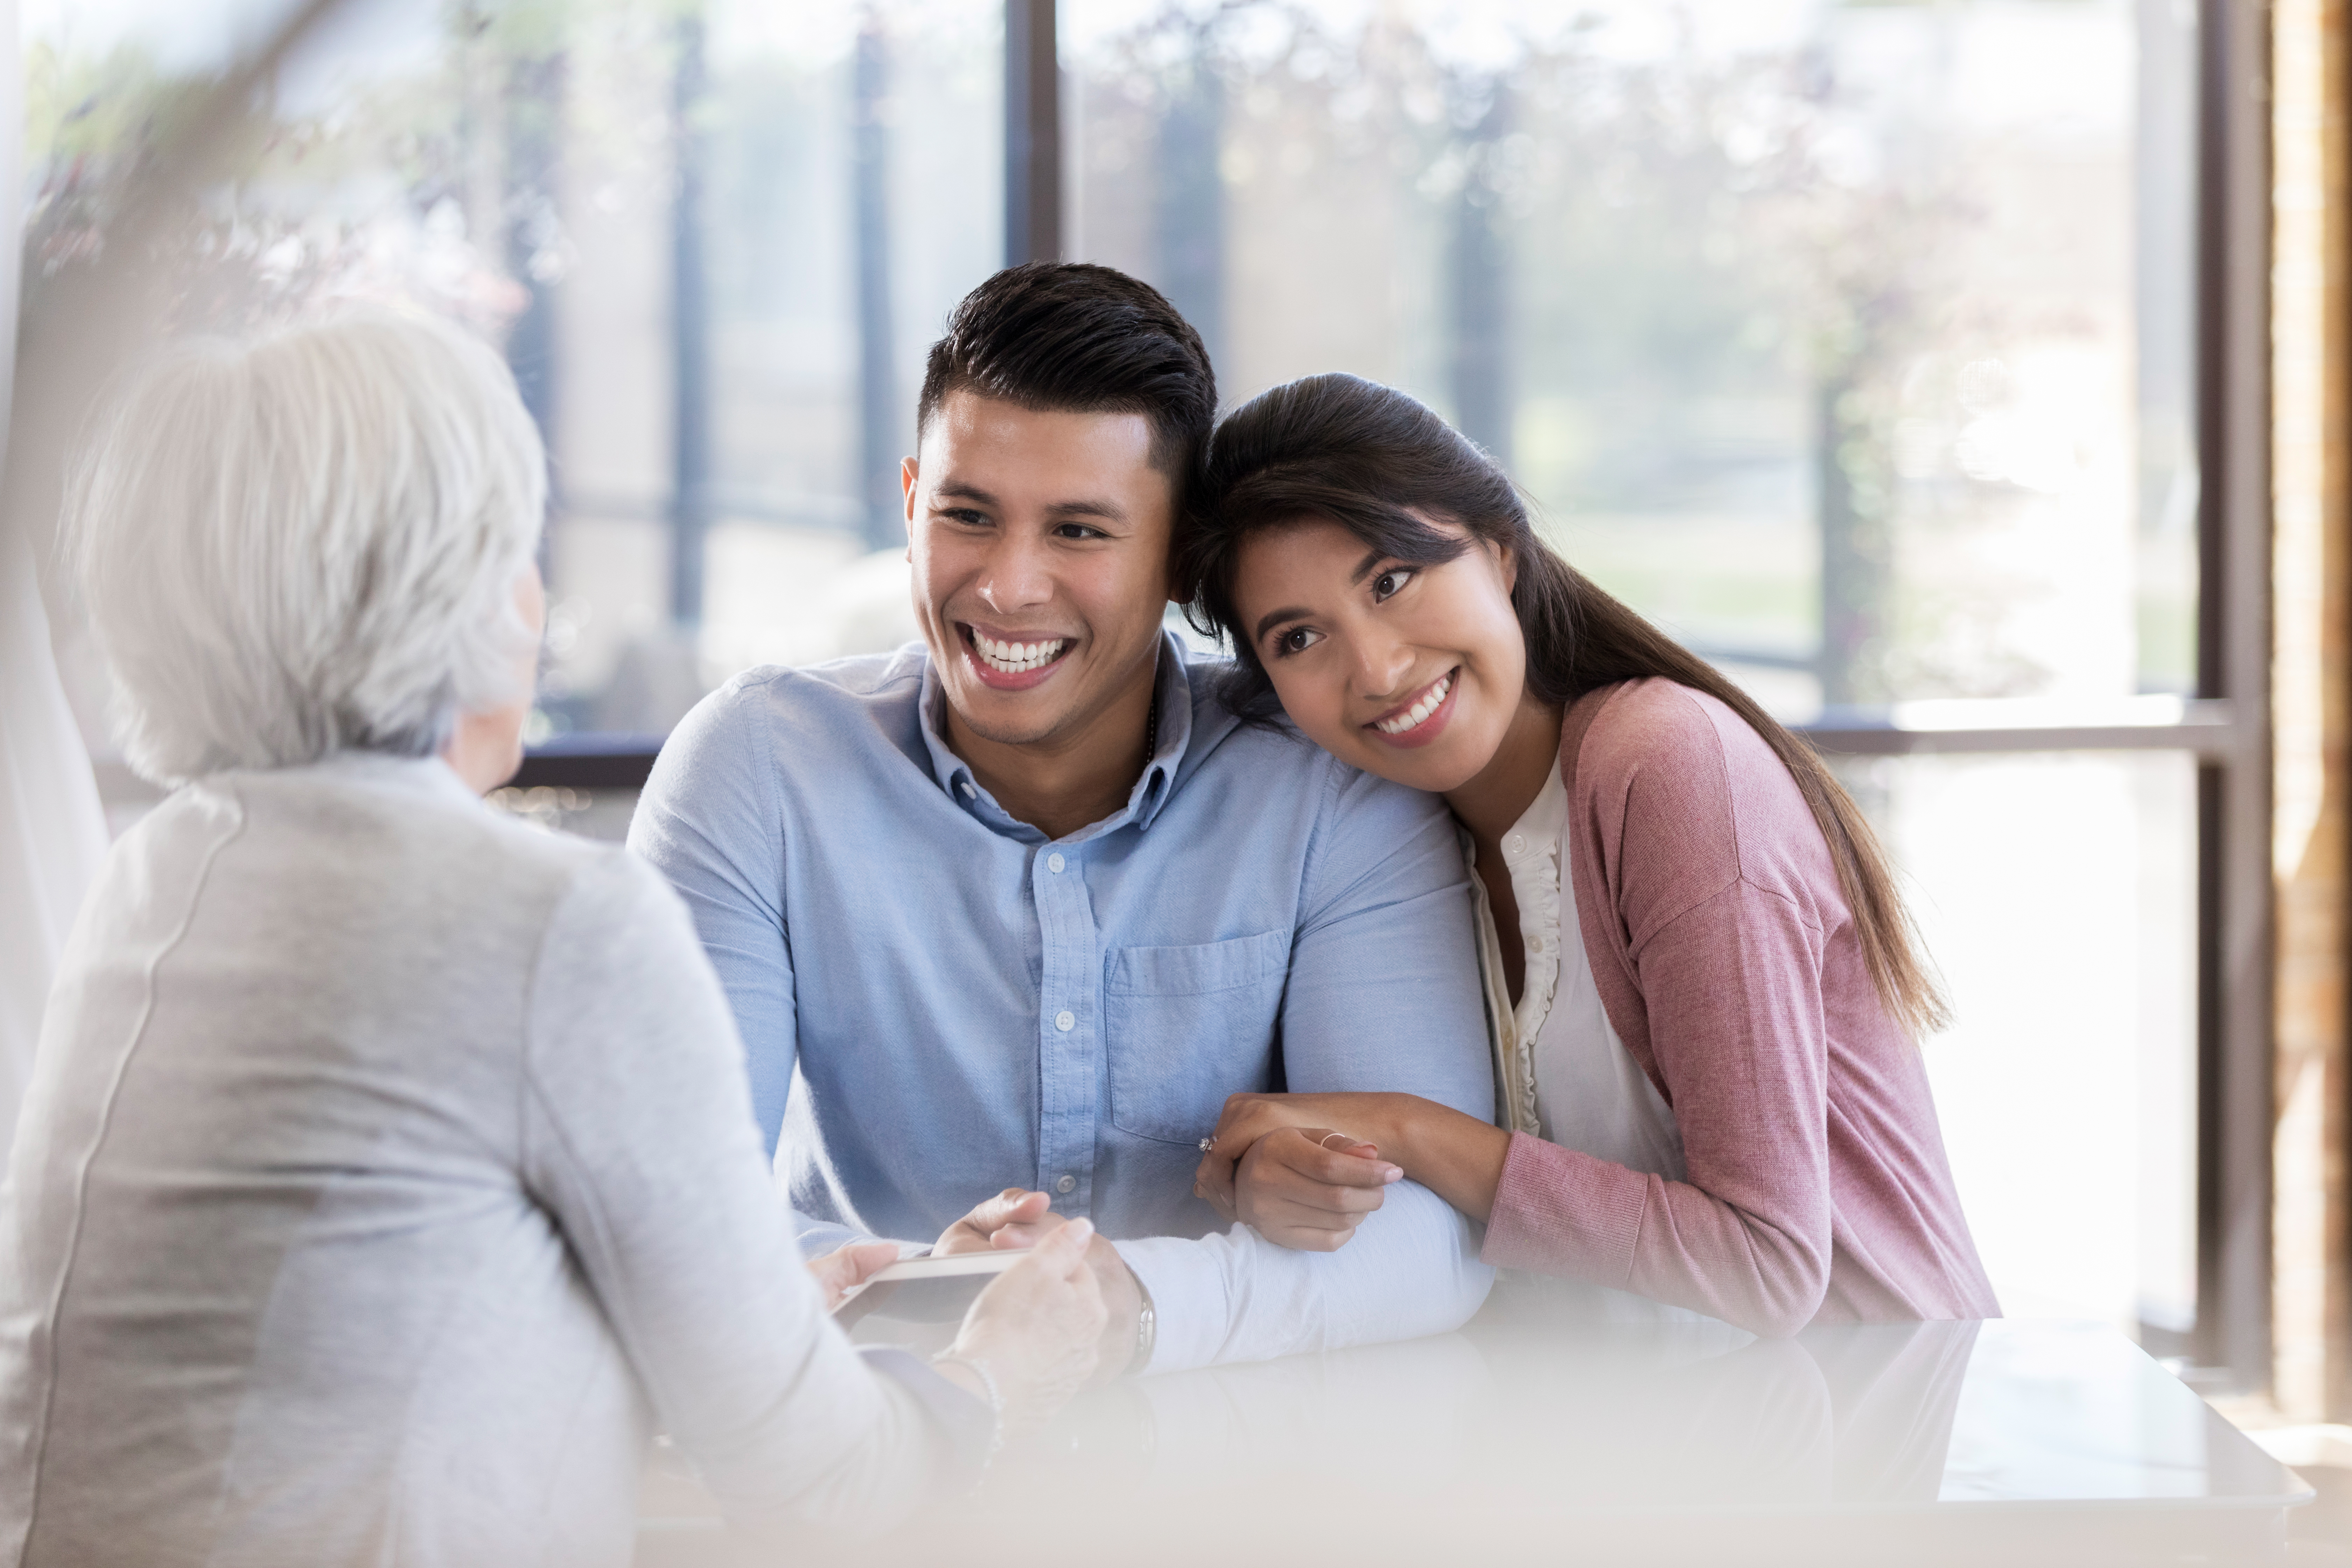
1724, 955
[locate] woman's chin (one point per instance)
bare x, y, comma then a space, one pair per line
1435, 769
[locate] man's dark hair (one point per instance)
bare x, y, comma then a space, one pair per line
1069, 337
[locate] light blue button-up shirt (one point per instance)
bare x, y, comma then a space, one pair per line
937, 1003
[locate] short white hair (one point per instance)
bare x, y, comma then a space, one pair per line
308, 542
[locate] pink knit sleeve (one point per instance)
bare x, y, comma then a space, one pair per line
1713, 873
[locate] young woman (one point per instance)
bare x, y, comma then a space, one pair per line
1705, 994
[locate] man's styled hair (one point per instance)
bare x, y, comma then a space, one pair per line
1070, 337
306, 542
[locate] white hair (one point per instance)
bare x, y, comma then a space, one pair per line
306, 542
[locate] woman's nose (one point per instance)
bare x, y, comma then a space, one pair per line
1381, 665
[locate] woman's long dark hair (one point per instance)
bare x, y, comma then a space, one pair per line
1369, 457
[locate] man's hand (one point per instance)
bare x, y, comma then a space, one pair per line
845, 1267
1016, 1220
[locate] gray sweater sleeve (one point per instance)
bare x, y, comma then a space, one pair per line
637, 1135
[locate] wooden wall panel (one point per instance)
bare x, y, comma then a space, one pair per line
2312, 697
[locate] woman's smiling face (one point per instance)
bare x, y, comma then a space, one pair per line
1410, 672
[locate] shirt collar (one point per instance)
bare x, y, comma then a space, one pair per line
1533, 845
429, 775
1174, 696
1537, 834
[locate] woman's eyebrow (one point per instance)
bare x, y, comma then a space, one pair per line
1272, 618
1267, 622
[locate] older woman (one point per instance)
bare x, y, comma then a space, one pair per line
389, 1172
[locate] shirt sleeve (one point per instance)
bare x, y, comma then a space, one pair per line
637, 1137
708, 821
1383, 995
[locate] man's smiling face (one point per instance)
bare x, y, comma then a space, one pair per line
1040, 544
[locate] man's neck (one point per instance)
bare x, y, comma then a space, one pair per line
1066, 781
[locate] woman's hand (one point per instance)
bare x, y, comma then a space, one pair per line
1274, 1165
1038, 1328
843, 1270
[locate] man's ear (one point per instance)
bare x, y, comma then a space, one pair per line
907, 473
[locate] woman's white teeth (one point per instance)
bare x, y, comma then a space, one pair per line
1413, 717
1013, 657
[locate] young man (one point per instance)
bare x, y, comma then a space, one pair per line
1025, 904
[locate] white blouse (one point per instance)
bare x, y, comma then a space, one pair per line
1561, 1073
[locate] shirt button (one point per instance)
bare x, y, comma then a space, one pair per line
1067, 1183
1535, 945
1516, 842
1055, 863
1066, 1020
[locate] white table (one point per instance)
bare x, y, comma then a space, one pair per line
1538, 1435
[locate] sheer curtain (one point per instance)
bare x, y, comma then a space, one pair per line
52, 832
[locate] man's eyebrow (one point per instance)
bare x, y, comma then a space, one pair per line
1108, 510
1273, 618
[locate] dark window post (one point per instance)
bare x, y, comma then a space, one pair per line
877, 391
2235, 1111
1481, 278
690, 335
1188, 215
1033, 134
534, 226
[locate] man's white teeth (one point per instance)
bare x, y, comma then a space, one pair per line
1013, 657
1412, 717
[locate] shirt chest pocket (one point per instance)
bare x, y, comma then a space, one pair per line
1187, 1026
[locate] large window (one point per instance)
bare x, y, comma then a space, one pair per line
1903, 358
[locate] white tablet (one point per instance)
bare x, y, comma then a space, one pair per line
936, 1265
926, 1289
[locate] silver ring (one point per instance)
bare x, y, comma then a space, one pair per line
1207, 1144
1325, 1141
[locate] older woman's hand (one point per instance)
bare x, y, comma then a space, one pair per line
1038, 1328
845, 1268
1276, 1165
1013, 1219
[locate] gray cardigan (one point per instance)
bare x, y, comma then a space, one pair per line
388, 1174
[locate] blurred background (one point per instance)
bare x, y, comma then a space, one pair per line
1857, 342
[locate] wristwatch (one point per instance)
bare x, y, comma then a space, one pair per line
1147, 1329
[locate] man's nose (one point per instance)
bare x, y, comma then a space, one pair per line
1018, 575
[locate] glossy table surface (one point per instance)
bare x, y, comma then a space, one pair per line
1541, 1430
